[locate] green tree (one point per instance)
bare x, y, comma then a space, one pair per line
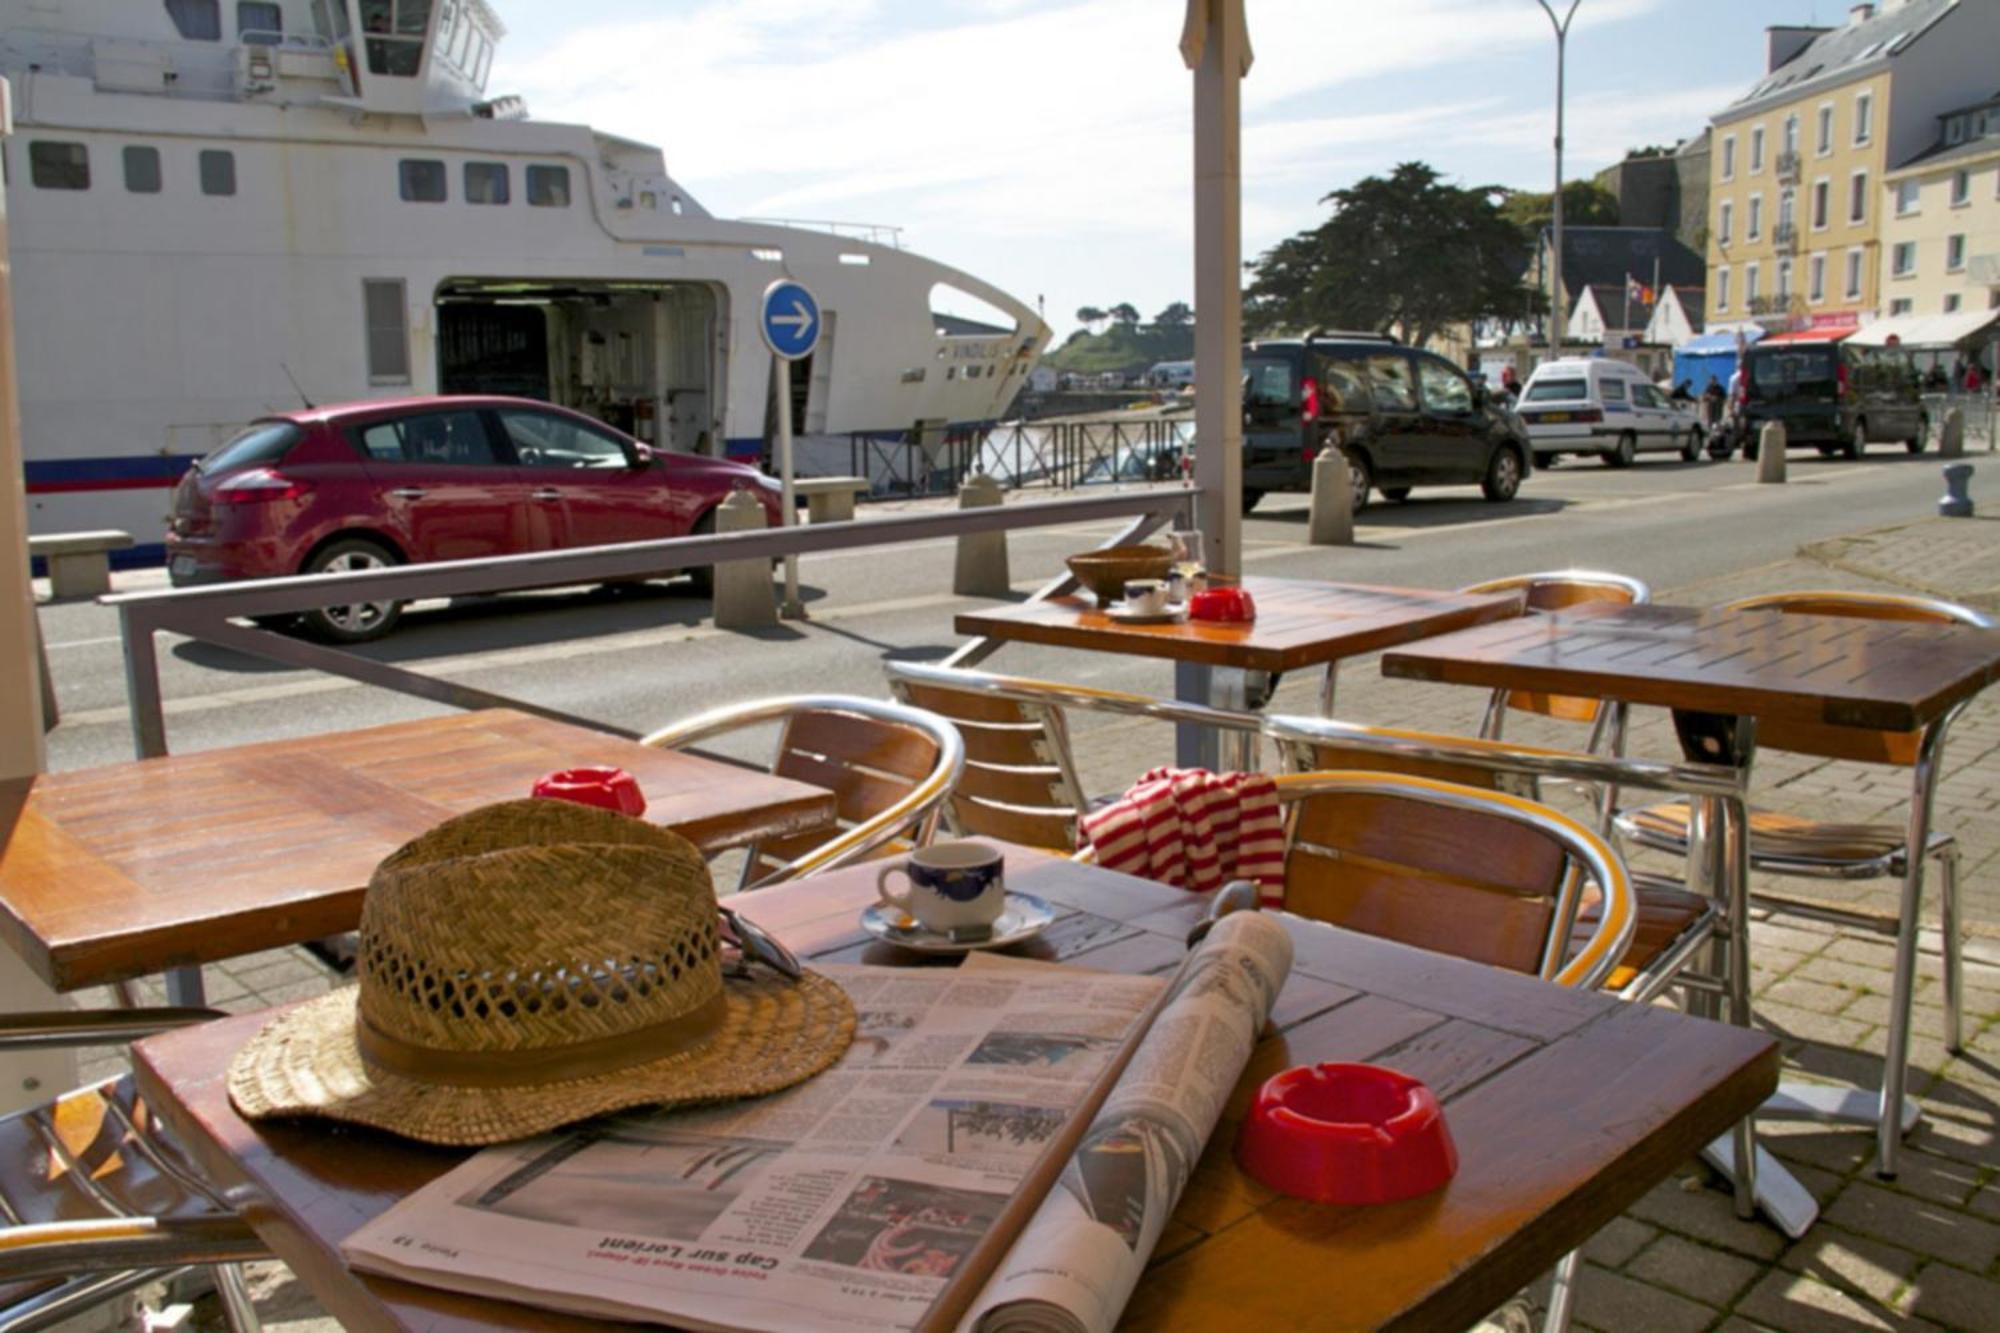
1090, 315
1176, 316
1585, 204
1407, 254
1125, 313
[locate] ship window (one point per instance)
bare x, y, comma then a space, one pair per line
260, 23
218, 171
486, 182
388, 330
54, 165
421, 180
395, 30
197, 20
142, 169
548, 187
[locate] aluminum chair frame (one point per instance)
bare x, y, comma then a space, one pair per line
917, 810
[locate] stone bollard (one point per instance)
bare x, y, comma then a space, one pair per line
1951, 440
1771, 452
744, 596
981, 570
1957, 499
1332, 521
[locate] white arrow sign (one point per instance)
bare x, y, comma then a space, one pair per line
800, 319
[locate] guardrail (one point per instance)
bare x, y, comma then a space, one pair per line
210, 614
1982, 418
1058, 455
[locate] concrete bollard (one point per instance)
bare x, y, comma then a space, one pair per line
1771, 452
744, 595
981, 570
1951, 440
1332, 521
1957, 499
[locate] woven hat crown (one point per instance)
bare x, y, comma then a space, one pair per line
537, 925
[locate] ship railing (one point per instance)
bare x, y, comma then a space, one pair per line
1022, 455
229, 615
875, 233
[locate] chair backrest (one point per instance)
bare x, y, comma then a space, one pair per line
1558, 590
1829, 742
1020, 781
1478, 874
889, 766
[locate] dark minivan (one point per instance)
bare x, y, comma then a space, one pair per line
1403, 418
1836, 396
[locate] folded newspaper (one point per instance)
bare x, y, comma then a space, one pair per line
851, 1201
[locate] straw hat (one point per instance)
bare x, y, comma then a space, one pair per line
530, 964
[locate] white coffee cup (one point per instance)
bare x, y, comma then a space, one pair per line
956, 888
1146, 596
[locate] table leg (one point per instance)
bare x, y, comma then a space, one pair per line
1889, 1127
184, 987
1326, 687
1216, 687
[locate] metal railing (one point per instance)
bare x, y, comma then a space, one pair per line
1056, 455
1982, 418
212, 614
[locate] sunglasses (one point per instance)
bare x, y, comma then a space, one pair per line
753, 944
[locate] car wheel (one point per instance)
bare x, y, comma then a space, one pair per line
702, 577
1250, 498
1503, 475
1545, 461
1359, 478
1857, 443
1915, 444
1691, 447
1397, 493
1624, 452
361, 621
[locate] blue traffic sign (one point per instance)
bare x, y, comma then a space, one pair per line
790, 320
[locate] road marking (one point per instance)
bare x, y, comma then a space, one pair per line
85, 643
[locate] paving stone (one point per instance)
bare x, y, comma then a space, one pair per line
1987, 1201
1939, 1179
1869, 951
1618, 1241
1835, 1150
1861, 1264
1956, 1299
1707, 1215
1806, 1025
1701, 1272
1795, 936
1797, 1304
1817, 996
1917, 1224
1611, 1300
1848, 975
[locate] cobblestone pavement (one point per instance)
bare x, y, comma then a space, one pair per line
1919, 1252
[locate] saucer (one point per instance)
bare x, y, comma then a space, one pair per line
1024, 917
1132, 615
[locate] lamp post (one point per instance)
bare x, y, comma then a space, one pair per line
1556, 266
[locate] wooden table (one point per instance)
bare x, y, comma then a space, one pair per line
1565, 1106
1300, 623
157, 864
1721, 671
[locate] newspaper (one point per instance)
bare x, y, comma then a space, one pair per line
846, 1202
1074, 1266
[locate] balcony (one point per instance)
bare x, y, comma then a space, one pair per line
1785, 238
1788, 168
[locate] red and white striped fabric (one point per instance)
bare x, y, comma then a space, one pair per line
1195, 830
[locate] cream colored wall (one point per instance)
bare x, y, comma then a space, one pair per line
1837, 166
1935, 220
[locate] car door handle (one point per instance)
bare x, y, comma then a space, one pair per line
545, 493
408, 493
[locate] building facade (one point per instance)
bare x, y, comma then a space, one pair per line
1941, 225
1797, 165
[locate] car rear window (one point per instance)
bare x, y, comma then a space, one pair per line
263, 444
1269, 381
1785, 370
1551, 391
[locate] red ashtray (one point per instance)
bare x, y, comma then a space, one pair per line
1225, 605
1347, 1134
607, 788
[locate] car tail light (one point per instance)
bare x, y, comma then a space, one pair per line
1309, 399
258, 486
1589, 415
1840, 381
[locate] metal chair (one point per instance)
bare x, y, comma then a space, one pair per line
889, 766
1803, 847
1020, 781
95, 1199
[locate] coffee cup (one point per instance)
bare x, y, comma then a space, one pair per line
956, 888
1146, 596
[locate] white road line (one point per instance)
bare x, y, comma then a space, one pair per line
85, 643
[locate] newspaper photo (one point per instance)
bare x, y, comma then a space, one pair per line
847, 1202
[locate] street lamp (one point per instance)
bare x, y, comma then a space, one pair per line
1556, 267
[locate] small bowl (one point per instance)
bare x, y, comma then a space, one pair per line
1106, 572
1348, 1134
1226, 604
610, 789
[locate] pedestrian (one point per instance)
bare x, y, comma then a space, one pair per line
1510, 383
1974, 380
1711, 402
1683, 392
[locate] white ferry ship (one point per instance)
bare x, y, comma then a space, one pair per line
217, 206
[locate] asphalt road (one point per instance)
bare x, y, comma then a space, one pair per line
641, 658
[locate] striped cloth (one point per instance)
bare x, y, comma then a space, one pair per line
1195, 830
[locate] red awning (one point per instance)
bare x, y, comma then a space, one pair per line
1830, 335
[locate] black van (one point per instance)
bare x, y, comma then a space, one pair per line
1403, 417
1832, 395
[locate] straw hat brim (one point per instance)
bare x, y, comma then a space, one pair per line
307, 1062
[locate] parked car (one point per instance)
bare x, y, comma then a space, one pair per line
1595, 405
368, 485
1836, 397
1403, 418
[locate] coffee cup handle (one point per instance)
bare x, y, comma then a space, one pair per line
901, 902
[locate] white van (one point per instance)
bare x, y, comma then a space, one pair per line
1595, 405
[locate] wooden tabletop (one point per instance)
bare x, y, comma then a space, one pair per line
1300, 622
1886, 675
1565, 1107
127, 870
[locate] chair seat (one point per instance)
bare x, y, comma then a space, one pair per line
1664, 916
1774, 836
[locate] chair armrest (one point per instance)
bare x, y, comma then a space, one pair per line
54, 1028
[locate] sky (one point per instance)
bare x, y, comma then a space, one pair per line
1046, 145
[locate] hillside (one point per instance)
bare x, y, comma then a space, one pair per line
1122, 347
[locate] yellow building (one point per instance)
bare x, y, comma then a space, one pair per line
1796, 197
1941, 232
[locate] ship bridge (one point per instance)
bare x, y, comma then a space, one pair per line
414, 57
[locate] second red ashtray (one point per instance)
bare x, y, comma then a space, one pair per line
1344, 1133
610, 789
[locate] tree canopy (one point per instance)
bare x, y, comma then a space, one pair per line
1176, 315
1406, 254
1585, 204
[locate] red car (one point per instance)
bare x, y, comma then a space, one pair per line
365, 485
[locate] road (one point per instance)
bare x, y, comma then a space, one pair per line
641, 658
